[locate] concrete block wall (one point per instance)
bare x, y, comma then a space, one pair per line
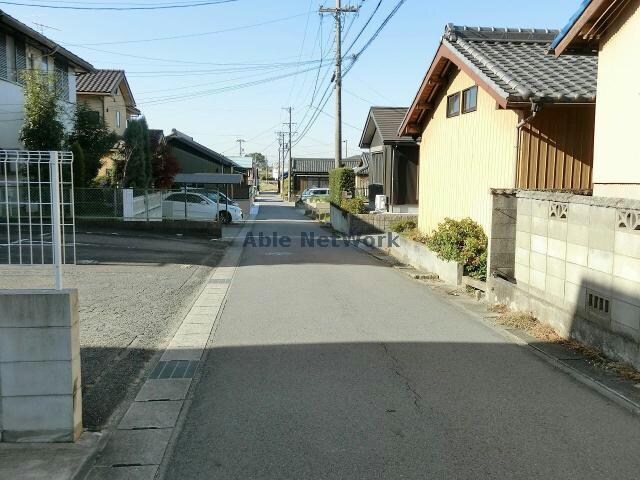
40, 390
502, 237
366, 223
581, 256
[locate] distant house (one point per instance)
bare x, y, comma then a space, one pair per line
107, 93
22, 49
496, 111
246, 167
314, 172
194, 157
362, 171
610, 29
394, 160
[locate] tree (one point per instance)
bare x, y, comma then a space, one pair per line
42, 128
164, 165
259, 160
79, 165
136, 172
94, 137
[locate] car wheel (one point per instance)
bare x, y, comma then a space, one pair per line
225, 217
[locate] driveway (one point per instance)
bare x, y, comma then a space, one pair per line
134, 290
328, 365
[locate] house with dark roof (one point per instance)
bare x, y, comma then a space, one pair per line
193, 157
609, 31
362, 172
107, 93
314, 172
495, 110
23, 49
394, 159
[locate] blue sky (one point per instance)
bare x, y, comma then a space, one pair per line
388, 73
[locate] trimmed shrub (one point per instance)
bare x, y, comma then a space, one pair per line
341, 180
462, 241
353, 205
401, 226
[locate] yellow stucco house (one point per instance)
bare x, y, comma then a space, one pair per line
610, 29
495, 110
107, 92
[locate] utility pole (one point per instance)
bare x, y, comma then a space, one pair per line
290, 110
338, 11
241, 149
280, 161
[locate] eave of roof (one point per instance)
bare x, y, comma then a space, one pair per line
593, 15
104, 82
372, 125
457, 49
17, 25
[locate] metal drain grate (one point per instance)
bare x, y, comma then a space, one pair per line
220, 280
174, 369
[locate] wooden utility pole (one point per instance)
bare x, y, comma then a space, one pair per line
338, 11
241, 149
290, 124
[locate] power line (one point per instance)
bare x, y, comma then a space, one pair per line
376, 33
150, 7
174, 98
338, 11
188, 35
304, 40
314, 117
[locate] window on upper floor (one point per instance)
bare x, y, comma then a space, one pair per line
470, 99
118, 118
62, 79
453, 105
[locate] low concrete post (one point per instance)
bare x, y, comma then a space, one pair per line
40, 391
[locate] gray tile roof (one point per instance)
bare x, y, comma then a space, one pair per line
516, 63
321, 165
386, 121
364, 168
100, 81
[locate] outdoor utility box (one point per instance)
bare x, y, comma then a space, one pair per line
375, 189
40, 392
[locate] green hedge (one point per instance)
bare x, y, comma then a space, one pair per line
462, 241
354, 206
341, 180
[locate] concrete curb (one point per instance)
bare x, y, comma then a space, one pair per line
131, 417
615, 396
179, 425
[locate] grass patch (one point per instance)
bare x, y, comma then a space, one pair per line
531, 325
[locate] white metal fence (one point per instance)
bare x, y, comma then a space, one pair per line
37, 218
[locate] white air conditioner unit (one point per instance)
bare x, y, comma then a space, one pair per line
381, 203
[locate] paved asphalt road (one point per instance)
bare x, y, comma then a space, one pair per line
329, 365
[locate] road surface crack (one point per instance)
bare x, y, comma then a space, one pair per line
396, 368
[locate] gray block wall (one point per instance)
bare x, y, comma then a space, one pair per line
40, 390
580, 257
502, 237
